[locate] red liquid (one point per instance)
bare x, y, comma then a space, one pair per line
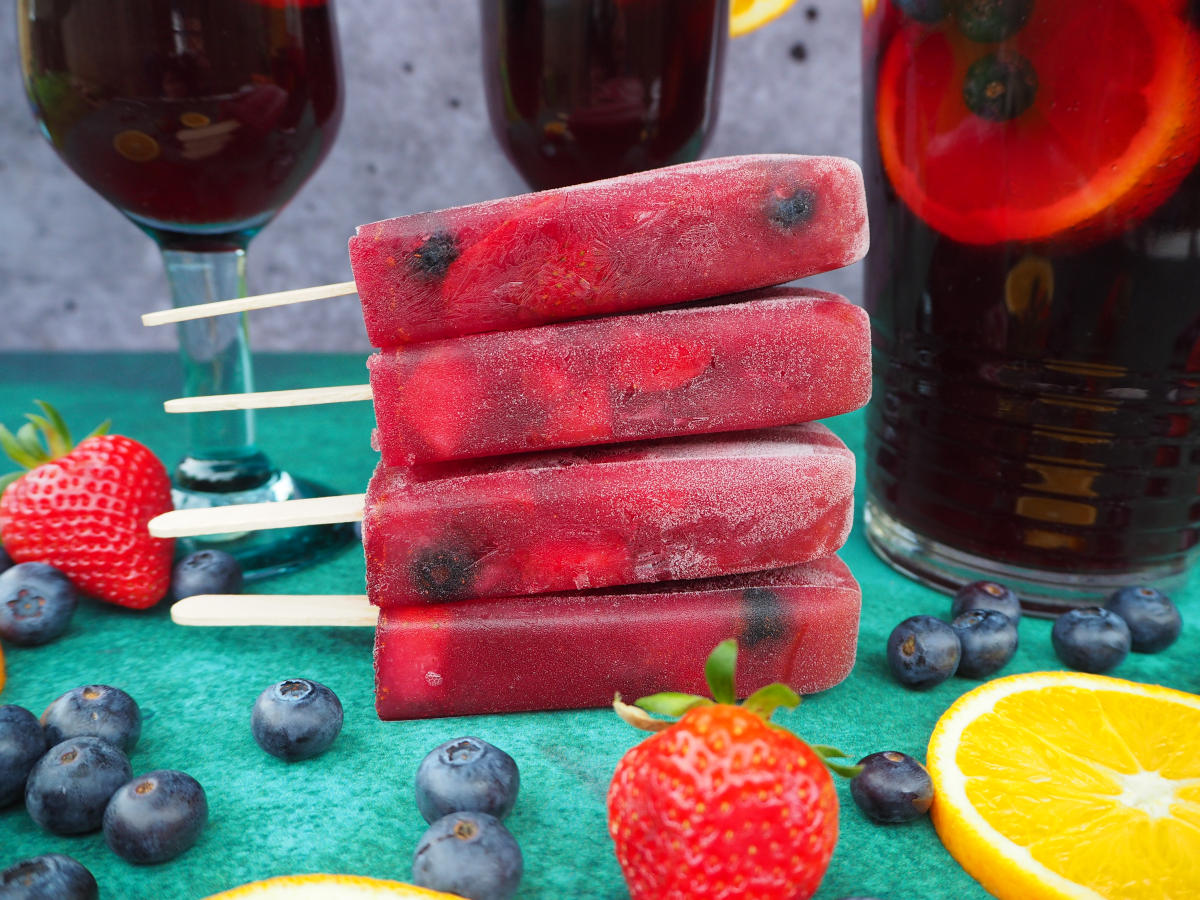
590, 89
198, 119
1035, 401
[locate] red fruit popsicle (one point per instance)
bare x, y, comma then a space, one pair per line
654, 238
691, 507
797, 625
784, 356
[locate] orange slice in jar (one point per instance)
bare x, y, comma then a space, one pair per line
1112, 129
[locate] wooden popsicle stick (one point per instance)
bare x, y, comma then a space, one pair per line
245, 304
275, 609
258, 516
345, 393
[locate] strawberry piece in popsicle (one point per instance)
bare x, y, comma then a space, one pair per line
691, 507
654, 238
782, 356
796, 625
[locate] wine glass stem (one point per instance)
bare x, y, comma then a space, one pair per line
221, 456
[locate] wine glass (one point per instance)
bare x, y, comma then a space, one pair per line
199, 120
584, 89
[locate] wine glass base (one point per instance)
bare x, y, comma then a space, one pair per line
1043, 593
277, 551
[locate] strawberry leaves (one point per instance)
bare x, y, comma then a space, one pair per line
719, 672
43, 438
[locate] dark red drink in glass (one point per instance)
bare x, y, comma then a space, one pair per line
588, 89
1034, 282
198, 120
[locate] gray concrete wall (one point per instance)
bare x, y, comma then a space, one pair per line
76, 274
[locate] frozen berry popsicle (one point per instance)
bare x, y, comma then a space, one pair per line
796, 625
782, 356
654, 238
691, 507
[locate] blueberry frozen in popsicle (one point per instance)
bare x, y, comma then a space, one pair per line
778, 356
655, 238
691, 507
797, 625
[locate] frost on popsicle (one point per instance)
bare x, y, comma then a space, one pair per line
655, 238
772, 357
690, 507
796, 625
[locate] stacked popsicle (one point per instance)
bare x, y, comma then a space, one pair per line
565, 510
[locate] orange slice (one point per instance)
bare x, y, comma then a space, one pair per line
1112, 131
1066, 785
747, 15
328, 887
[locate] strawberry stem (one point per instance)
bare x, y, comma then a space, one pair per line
16, 452
58, 425
671, 703
719, 671
828, 755
767, 699
639, 718
43, 438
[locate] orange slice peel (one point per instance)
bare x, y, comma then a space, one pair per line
1055, 785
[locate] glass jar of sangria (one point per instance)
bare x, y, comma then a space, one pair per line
1034, 282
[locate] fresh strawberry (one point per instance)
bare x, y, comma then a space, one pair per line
721, 803
85, 509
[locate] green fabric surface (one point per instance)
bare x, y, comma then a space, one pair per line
352, 809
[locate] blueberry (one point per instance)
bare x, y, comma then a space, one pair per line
296, 719
155, 817
988, 640
793, 210
988, 21
36, 603
52, 876
206, 572
1154, 621
69, 787
892, 787
470, 854
765, 616
442, 573
1091, 639
22, 743
1000, 86
923, 651
435, 256
986, 595
925, 11
6, 561
97, 710
466, 774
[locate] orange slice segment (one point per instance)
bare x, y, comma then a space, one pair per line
747, 15
1066, 785
1112, 131
328, 887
